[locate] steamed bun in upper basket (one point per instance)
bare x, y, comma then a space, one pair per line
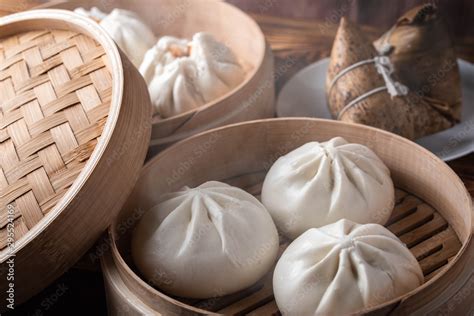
205, 242
94, 13
182, 74
343, 268
319, 183
127, 30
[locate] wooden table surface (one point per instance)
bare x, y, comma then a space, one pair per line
296, 40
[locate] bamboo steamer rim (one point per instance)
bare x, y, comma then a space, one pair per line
249, 76
130, 276
94, 31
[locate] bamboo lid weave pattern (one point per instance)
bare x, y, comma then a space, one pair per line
55, 94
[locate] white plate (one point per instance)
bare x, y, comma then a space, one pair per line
304, 95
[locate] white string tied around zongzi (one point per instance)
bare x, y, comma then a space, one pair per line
385, 68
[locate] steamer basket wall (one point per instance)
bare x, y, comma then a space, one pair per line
74, 120
433, 215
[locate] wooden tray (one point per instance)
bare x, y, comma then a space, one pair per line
252, 99
434, 219
74, 119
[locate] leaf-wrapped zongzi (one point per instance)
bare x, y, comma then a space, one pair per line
424, 59
359, 92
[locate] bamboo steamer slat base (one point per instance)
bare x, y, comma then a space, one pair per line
433, 214
252, 99
74, 119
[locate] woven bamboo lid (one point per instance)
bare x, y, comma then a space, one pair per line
55, 97
74, 118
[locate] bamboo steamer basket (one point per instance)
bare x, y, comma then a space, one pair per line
433, 213
252, 99
74, 131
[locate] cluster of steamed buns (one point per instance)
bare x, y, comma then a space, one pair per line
330, 198
181, 74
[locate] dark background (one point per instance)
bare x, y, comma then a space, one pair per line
459, 14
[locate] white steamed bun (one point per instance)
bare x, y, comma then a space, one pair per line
182, 74
204, 242
319, 183
343, 268
126, 28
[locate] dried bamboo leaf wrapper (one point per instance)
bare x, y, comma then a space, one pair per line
350, 46
410, 116
424, 58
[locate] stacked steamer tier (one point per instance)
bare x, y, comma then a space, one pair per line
74, 129
433, 212
251, 99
